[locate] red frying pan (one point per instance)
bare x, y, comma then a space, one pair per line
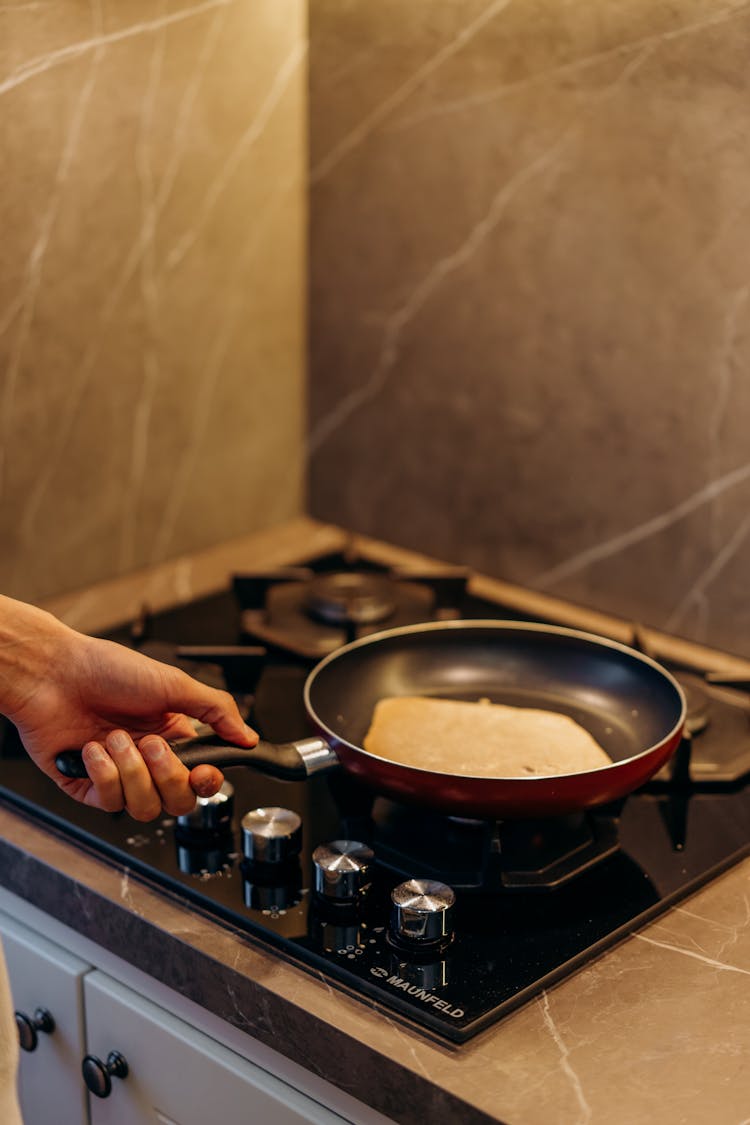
632, 707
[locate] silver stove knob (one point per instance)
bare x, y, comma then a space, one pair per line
271, 835
422, 911
211, 814
342, 869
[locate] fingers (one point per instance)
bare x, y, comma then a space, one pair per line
206, 780
120, 777
105, 791
147, 779
177, 726
217, 708
177, 787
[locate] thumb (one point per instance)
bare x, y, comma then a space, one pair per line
216, 708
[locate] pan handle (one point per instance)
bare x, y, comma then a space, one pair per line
288, 761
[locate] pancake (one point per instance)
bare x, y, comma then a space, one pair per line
480, 739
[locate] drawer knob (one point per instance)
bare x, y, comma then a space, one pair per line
98, 1075
29, 1027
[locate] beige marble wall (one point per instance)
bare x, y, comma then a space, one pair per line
152, 278
531, 294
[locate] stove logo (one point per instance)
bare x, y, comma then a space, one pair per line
418, 993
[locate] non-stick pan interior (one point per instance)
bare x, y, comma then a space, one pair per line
625, 702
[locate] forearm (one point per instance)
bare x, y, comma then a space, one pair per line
31, 641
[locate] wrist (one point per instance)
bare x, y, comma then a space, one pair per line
31, 640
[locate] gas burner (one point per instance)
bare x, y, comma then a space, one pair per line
493, 857
698, 702
311, 613
356, 597
718, 722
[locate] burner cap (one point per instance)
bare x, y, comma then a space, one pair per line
361, 597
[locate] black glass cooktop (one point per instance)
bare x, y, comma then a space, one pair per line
512, 935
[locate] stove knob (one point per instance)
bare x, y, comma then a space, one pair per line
271, 835
342, 869
211, 814
422, 912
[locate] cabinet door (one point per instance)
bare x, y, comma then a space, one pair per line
44, 975
177, 1075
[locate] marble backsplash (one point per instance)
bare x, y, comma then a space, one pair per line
152, 281
530, 294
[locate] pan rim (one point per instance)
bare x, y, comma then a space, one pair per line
495, 625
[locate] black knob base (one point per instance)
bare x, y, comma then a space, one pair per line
29, 1027
98, 1075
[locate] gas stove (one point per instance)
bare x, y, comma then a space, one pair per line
446, 922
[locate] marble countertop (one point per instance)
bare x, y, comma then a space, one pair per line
657, 1028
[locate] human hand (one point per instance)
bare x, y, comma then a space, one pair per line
63, 690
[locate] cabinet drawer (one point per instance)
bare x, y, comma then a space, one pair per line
44, 975
177, 1075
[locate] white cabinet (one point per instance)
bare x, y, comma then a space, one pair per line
177, 1075
43, 975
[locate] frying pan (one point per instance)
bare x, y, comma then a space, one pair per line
631, 706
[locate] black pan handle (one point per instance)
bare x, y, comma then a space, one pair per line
289, 761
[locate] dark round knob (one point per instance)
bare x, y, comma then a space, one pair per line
98, 1075
342, 869
422, 912
28, 1028
210, 814
271, 835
